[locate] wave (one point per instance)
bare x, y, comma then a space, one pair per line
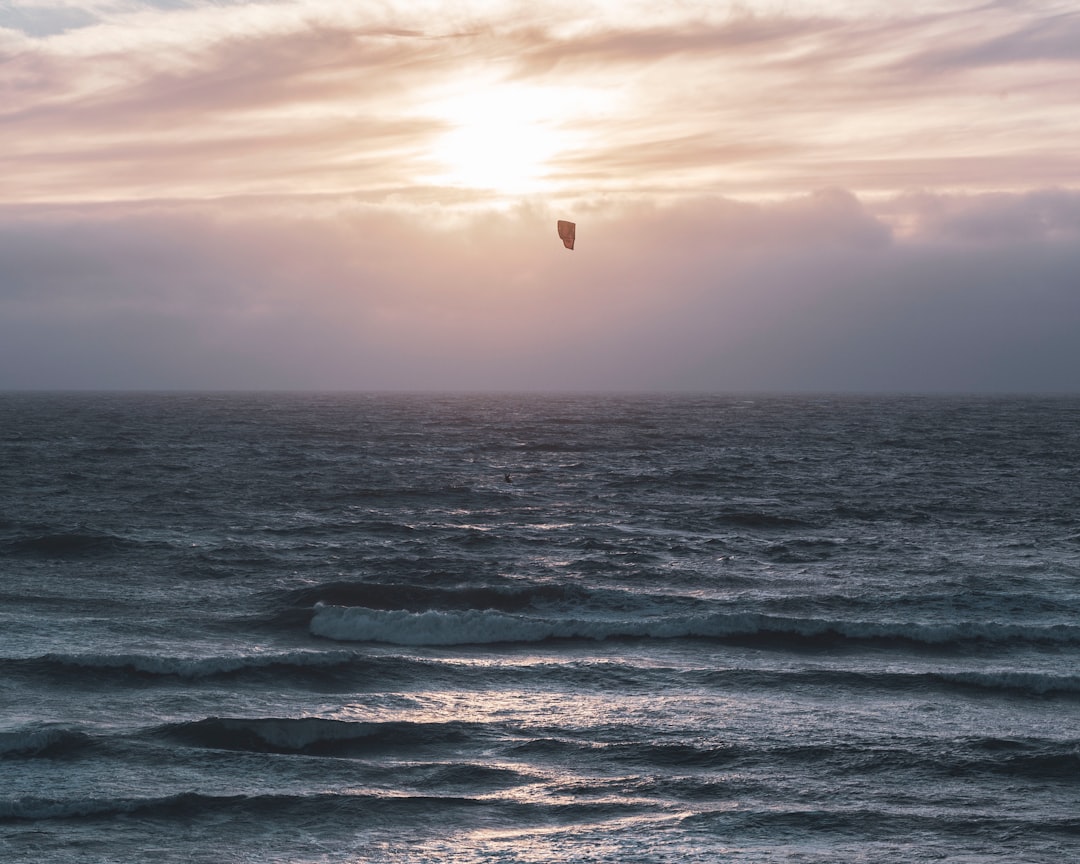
313, 735
1002, 681
1020, 682
996, 830
333, 670
42, 741
1034, 759
760, 519
187, 805
483, 627
344, 810
283, 664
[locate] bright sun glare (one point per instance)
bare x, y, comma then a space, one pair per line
501, 138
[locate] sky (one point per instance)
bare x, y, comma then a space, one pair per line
818, 196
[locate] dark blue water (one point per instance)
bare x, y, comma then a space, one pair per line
341, 628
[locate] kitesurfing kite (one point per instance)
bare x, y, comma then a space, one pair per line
566, 233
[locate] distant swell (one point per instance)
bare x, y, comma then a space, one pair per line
481, 627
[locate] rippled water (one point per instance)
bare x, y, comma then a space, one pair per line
330, 628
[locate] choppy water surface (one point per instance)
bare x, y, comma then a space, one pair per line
338, 628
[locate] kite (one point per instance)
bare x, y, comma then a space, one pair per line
567, 230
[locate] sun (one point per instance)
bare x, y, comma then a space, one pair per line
503, 138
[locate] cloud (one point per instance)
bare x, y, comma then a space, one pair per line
1042, 216
1049, 37
811, 293
208, 101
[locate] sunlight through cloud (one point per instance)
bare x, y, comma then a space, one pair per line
504, 138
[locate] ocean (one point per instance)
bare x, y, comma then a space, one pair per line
533, 628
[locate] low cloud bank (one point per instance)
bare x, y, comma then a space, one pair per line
821, 292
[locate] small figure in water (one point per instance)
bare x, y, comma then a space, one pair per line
508, 478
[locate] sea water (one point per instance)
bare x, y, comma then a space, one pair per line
495, 628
